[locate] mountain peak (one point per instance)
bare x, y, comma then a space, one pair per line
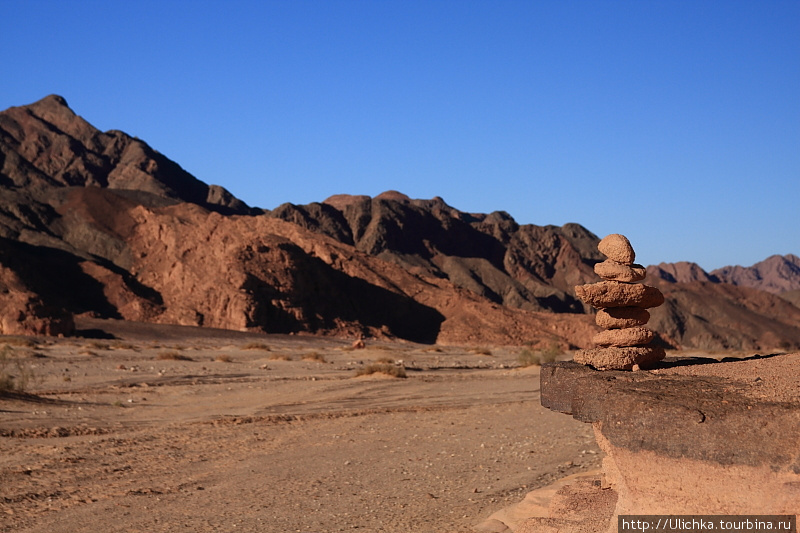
52, 106
53, 100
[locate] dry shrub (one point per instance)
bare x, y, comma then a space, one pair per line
279, 357
538, 357
256, 346
385, 360
119, 345
383, 368
314, 356
381, 347
224, 358
14, 374
97, 345
16, 340
482, 351
173, 356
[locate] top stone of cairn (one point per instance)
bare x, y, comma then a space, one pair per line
617, 248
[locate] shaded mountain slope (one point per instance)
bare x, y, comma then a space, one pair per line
100, 224
527, 267
45, 145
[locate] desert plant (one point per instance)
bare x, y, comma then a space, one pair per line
279, 357
16, 340
314, 356
256, 346
14, 375
173, 356
224, 358
482, 351
120, 345
391, 370
532, 357
97, 345
385, 360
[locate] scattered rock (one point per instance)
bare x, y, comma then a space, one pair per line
358, 344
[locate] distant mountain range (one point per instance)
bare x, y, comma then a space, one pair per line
99, 224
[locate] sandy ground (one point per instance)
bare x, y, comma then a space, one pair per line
179, 429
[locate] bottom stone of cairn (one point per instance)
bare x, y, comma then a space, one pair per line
620, 358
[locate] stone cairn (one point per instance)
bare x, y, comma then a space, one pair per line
622, 310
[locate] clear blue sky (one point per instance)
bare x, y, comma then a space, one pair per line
674, 122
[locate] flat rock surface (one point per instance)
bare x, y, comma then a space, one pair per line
731, 412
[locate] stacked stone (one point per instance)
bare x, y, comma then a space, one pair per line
622, 310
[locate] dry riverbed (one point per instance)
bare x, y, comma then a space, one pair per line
177, 429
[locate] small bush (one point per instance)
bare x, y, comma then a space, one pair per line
279, 357
531, 357
173, 356
14, 375
314, 356
96, 345
256, 346
391, 370
385, 360
14, 340
224, 358
119, 345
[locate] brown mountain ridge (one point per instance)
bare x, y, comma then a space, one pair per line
99, 224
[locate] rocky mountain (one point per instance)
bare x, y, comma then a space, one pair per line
526, 267
776, 274
99, 224
45, 145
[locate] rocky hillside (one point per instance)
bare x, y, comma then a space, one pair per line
526, 267
99, 224
777, 274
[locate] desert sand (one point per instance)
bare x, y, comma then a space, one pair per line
167, 428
